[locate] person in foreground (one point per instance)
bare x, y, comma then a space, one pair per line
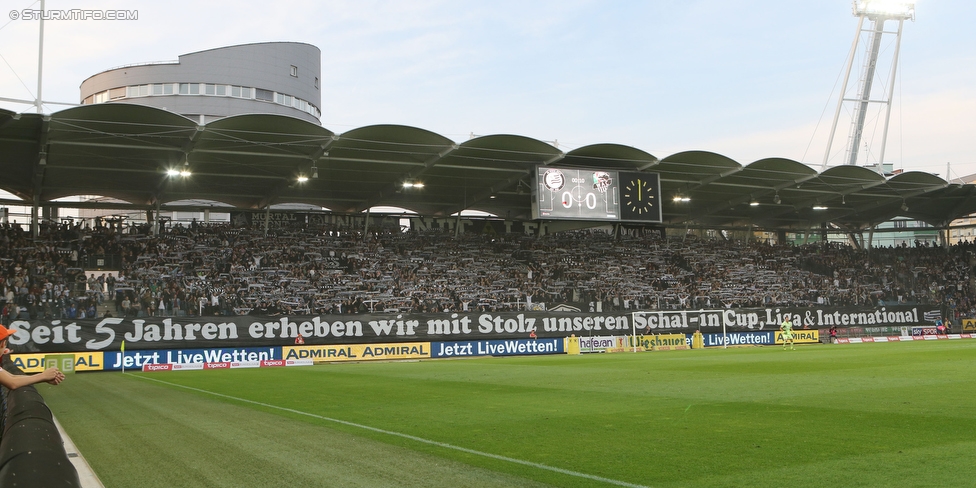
14, 381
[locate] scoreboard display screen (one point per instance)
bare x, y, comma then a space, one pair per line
593, 194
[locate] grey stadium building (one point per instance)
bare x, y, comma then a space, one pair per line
269, 78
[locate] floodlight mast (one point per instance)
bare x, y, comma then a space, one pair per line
876, 12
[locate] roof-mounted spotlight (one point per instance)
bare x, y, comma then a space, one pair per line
172, 172
315, 172
819, 207
302, 178
412, 184
776, 199
679, 198
186, 168
904, 206
753, 203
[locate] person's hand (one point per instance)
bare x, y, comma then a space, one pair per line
53, 376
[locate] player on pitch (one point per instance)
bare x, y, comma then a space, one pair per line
787, 329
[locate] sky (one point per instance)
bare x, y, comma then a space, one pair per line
750, 79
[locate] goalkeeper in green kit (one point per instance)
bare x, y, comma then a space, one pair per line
787, 329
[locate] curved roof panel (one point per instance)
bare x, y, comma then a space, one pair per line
253, 161
609, 156
115, 150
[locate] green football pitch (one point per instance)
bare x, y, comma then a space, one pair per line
895, 414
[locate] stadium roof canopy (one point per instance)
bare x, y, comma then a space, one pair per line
123, 151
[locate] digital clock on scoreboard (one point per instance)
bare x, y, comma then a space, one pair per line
593, 194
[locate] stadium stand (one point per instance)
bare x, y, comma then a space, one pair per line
224, 270
204, 270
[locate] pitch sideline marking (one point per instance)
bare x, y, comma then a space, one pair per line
407, 436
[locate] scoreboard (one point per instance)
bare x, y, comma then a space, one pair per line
589, 194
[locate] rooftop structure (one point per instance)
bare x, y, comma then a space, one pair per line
269, 78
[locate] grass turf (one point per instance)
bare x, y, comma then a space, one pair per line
897, 414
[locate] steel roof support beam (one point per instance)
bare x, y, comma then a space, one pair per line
479, 197
392, 187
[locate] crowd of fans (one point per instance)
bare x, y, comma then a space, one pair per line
224, 270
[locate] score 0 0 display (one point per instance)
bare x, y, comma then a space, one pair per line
563, 193
585, 194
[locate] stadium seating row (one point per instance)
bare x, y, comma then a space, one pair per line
220, 269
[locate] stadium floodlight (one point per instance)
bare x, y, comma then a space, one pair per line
302, 178
679, 198
891, 9
409, 184
185, 171
753, 203
819, 207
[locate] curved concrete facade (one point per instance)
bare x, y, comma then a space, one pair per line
272, 78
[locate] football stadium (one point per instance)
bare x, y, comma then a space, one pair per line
204, 286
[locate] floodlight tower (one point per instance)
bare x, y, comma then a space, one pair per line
876, 12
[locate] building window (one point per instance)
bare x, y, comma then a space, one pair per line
159, 89
316, 82
294, 71
189, 88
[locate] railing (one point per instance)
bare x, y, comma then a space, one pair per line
31, 449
